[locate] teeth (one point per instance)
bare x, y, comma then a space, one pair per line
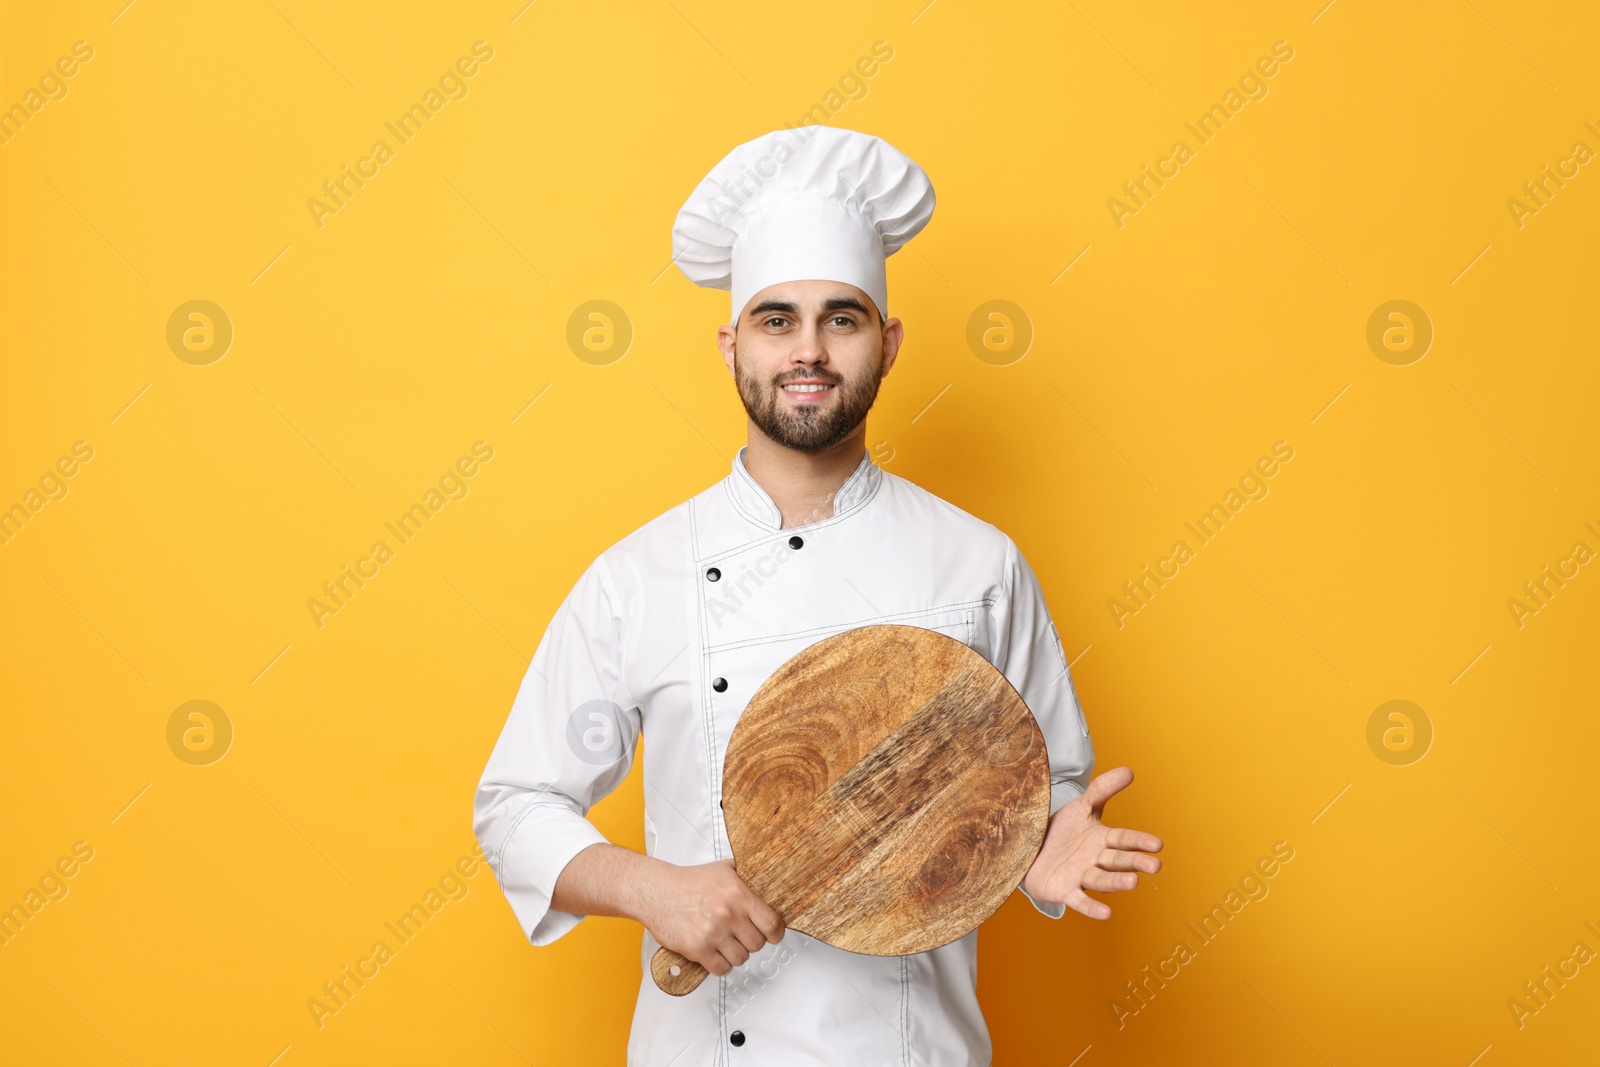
807, 388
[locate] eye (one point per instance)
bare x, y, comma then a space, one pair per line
774, 318
846, 319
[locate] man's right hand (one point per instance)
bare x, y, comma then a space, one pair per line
707, 913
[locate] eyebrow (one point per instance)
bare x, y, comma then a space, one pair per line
833, 303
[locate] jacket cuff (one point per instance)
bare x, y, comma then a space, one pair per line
1050, 911
530, 860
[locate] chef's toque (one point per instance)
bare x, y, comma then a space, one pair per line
812, 202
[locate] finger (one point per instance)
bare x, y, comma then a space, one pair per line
1105, 786
715, 963
1109, 881
767, 920
733, 951
1132, 840
1113, 859
749, 935
1082, 902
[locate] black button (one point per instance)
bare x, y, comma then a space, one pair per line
713, 574
795, 542
719, 684
736, 1038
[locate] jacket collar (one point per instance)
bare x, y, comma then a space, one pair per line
755, 504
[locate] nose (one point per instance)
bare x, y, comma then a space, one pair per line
810, 347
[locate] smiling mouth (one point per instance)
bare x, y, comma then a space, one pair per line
808, 388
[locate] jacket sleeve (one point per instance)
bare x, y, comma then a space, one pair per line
1028, 652
568, 742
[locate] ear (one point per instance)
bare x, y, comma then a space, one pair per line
725, 341
893, 336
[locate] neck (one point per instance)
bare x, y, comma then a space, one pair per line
803, 484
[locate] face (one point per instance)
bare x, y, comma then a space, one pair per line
808, 357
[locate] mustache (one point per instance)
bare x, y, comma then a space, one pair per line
826, 376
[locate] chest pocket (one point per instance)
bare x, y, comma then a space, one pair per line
756, 659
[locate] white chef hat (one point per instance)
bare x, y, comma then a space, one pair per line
812, 202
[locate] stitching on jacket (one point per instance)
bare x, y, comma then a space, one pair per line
864, 470
707, 732
500, 853
719, 1054
769, 531
738, 505
905, 1013
915, 613
721, 1057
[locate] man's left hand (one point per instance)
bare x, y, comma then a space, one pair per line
1080, 852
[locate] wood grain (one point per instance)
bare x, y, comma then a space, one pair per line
884, 790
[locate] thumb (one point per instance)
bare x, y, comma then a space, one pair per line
1105, 786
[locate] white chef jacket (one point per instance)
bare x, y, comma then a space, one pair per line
670, 632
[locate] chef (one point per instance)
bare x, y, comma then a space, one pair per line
671, 630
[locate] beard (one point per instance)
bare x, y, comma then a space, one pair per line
808, 427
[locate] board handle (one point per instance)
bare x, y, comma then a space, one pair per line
676, 973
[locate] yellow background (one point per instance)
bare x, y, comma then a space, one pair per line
368, 354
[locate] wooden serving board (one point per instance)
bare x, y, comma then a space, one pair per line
884, 790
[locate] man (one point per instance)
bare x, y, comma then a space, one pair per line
672, 629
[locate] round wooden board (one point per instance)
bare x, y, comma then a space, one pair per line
884, 790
